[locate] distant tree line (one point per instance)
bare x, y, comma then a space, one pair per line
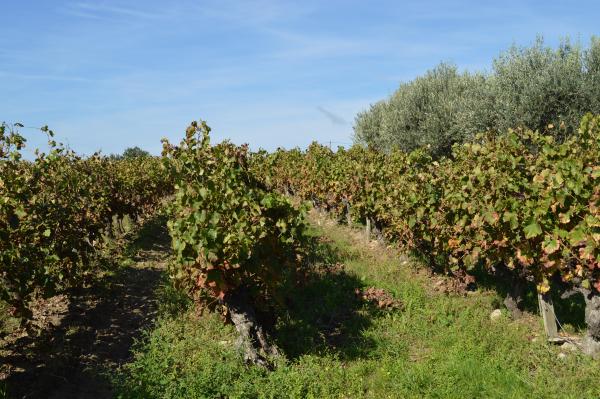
131, 153
528, 86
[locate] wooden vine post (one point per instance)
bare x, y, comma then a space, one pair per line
346, 206
368, 229
348, 215
548, 315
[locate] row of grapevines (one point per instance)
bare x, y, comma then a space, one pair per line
55, 208
230, 234
519, 201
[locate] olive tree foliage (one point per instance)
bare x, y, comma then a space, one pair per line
591, 64
538, 85
369, 124
528, 86
425, 111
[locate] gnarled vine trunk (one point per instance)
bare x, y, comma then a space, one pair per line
591, 342
515, 293
253, 341
514, 297
346, 205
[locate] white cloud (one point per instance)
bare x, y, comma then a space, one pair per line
26, 76
98, 10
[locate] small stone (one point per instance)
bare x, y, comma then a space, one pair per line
591, 347
534, 339
495, 315
562, 355
569, 346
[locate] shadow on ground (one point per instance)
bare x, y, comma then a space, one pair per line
325, 315
94, 335
569, 311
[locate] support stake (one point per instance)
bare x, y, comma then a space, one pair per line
348, 216
548, 315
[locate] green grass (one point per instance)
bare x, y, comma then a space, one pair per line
438, 346
7, 322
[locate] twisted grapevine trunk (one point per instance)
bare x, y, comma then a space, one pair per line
516, 291
514, 297
253, 342
591, 342
346, 205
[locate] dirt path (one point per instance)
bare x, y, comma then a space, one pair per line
91, 331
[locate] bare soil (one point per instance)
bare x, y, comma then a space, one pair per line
88, 333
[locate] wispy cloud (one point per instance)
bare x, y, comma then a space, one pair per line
129, 71
254, 13
43, 77
333, 118
102, 11
84, 14
300, 46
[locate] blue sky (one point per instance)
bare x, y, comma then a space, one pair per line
106, 75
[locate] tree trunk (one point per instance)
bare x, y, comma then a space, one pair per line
377, 232
253, 341
346, 204
591, 342
514, 297
516, 290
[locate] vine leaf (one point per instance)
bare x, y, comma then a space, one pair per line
532, 230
